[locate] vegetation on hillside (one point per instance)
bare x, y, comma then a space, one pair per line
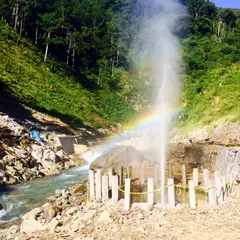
52, 89
211, 53
81, 64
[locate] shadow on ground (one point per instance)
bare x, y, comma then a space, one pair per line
14, 108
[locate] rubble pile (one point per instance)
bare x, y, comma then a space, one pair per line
23, 158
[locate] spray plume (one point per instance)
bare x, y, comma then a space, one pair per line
156, 43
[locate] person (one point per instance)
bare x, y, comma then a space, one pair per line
36, 135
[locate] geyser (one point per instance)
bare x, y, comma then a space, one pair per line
157, 44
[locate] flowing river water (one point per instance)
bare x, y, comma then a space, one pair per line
19, 199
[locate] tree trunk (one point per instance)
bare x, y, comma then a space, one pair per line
99, 77
112, 66
117, 60
16, 18
73, 56
36, 36
69, 48
46, 51
21, 27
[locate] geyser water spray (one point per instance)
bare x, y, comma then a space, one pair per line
156, 43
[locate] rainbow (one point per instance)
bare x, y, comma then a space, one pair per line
150, 119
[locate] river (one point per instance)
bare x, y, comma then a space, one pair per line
19, 199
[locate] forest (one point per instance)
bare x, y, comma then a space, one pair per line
84, 47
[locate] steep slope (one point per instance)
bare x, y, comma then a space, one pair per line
211, 86
53, 89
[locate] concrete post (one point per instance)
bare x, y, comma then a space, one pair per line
91, 185
142, 174
184, 175
205, 179
218, 184
98, 184
129, 171
195, 176
169, 170
150, 198
192, 195
127, 196
171, 193
120, 173
156, 174
115, 188
231, 181
227, 187
110, 173
212, 194
105, 188
224, 188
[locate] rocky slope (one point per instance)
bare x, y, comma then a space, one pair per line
22, 158
67, 217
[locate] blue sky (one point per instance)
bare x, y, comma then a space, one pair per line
227, 3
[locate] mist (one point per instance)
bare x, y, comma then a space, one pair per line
157, 45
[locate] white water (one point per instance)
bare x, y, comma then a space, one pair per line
156, 44
19, 199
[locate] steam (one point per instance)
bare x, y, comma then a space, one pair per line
157, 45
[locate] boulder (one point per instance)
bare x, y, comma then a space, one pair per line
49, 155
48, 212
32, 214
37, 152
80, 148
61, 154
12, 232
79, 188
120, 156
105, 217
53, 224
31, 225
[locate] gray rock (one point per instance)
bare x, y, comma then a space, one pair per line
120, 156
31, 225
105, 217
53, 224
48, 212
37, 152
32, 214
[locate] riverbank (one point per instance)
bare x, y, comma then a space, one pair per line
23, 158
19, 199
95, 221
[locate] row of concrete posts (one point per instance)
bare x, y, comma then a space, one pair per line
101, 185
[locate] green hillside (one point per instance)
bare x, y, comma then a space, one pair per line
87, 72
51, 88
211, 92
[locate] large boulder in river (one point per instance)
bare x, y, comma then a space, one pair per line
120, 156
